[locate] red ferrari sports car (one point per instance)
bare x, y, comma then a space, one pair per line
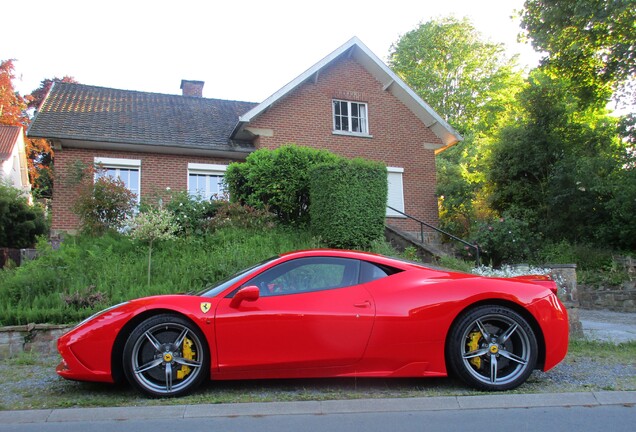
326, 313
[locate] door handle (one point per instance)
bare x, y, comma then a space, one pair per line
364, 304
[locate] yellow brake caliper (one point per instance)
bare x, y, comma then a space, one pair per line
473, 344
188, 354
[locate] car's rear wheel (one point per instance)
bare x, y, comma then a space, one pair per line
166, 355
492, 348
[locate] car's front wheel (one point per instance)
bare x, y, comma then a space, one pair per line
166, 355
492, 348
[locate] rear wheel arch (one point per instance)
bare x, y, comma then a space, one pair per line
515, 307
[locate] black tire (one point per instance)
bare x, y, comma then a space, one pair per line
492, 348
166, 355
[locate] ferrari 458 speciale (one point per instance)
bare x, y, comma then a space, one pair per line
326, 313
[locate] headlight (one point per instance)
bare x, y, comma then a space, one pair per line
95, 315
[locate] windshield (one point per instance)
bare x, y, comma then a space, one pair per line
213, 290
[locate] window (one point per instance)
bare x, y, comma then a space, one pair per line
306, 275
127, 170
370, 272
395, 197
350, 117
206, 180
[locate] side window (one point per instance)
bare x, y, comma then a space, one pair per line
307, 275
370, 272
206, 180
350, 117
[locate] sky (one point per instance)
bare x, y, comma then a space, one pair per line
243, 50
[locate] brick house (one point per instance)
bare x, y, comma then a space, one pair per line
350, 103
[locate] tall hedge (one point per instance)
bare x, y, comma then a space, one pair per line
276, 179
348, 202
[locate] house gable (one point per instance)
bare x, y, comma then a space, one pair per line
388, 80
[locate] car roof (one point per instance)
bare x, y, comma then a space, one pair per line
362, 255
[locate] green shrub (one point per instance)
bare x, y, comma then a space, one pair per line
20, 223
585, 256
508, 239
348, 202
102, 204
456, 264
277, 180
191, 213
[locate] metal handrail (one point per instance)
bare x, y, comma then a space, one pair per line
422, 224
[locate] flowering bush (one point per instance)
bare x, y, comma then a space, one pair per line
103, 204
510, 271
240, 216
507, 271
506, 239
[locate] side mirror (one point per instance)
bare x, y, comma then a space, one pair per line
249, 293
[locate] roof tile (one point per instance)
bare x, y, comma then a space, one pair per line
8, 137
90, 113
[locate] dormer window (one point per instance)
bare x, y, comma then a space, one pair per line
350, 117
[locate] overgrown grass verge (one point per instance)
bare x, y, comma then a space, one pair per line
89, 273
30, 382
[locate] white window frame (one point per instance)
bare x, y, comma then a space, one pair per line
363, 120
395, 195
120, 163
205, 169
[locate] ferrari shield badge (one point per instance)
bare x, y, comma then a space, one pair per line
205, 307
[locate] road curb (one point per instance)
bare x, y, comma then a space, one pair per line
498, 401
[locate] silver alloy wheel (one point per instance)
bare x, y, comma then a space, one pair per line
496, 350
166, 359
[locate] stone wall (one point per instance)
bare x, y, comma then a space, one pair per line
617, 299
40, 338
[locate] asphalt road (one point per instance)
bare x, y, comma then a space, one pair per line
581, 419
608, 326
582, 411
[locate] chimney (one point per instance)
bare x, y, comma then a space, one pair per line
192, 88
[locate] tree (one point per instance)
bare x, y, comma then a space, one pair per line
446, 63
590, 42
13, 112
472, 85
39, 151
37, 96
556, 166
12, 105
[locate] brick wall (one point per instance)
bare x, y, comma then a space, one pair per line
158, 172
398, 137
